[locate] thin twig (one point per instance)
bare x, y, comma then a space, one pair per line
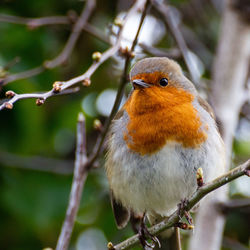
35, 22
101, 138
195, 198
97, 33
171, 53
92, 30
66, 52
77, 186
64, 85
78, 27
178, 238
171, 22
39, 96
22, 75
11, 63
53, 20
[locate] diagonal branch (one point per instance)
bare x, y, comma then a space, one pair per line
201, 192
128, 55
66, 52
171, 22
78, 27
60, 86
55, 20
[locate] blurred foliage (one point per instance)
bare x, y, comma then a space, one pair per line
33, 203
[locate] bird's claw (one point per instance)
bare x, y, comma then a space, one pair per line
144, 233
181, 206
188, 217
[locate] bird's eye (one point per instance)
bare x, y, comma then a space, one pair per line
164, 82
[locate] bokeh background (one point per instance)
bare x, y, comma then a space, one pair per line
37, 144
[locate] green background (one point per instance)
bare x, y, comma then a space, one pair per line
33, 202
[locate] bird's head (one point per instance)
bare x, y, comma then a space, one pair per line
159, 74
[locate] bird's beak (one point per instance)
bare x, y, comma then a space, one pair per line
138, 83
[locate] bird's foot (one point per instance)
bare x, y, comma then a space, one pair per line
181, 207
144, 234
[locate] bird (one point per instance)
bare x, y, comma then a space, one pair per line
157, 141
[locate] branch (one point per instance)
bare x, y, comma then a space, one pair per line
178, 238
22, 75
77, 186
66, 52
82, 20
195, 198
128, 55
171, 22
82, 164
60, 86
55, 20
171, 53
41, 97
35, 22
233, 244
61, 58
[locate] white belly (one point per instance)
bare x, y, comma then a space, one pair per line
157, 183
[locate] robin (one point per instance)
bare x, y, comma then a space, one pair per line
164, 132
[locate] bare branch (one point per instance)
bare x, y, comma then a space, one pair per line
22, 75
38, 96
77, 186
87, 75
66, 52
128, 55
196, 197
78, 27
92, 30
178, 238
63, 56
172, 24
35, 22
171, 53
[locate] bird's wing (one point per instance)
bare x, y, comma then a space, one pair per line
119, 114
122, 215
206, 106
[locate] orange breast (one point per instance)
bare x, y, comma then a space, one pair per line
158, 115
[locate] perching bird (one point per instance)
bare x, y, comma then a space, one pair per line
164, 132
